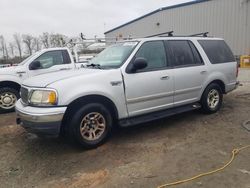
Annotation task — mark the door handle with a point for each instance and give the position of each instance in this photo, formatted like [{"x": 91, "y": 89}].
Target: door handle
[
  {"x": 203, "y": 72},
  {"x": 65, "y": 69},
  {"x": 21, "y": 72},
  {"x": 165, "y": 78}
]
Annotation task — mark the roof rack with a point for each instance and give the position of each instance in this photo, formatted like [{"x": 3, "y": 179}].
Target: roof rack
[
  {"x": 169, "y": 34},
  {"x": 200, "y": 34},
  {"x": 115, "y": 39}
]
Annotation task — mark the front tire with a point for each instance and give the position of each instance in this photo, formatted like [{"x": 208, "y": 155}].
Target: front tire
[
  {"x": 90, "y": 126},
  {"x": 212, "y": 98},
  {"x": 8, "y": 99}
]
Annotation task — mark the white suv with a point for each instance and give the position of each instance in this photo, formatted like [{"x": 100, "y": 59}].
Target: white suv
[{"x": 129, "y": 83}]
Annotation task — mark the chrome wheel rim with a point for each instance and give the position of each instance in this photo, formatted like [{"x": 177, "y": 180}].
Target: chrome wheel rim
[
  {"x": 7, "y": 100},
  {"x": 92, "y": 126},
  {"x": 213, "y": 98}
]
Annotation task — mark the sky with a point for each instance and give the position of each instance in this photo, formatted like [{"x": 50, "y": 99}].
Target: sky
[{"x": 71, "y": 17}]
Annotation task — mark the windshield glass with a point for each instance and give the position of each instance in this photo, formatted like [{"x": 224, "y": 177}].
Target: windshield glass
[
  {"x": 115, "y": 55},
  {"x": 27, "y": 59}
]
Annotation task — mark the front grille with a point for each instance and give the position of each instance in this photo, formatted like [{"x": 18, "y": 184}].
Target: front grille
[{"x": 24, "y": 95}]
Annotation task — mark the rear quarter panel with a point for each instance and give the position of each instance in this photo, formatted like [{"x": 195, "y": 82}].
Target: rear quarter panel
[{"x": 225, "y": 72}]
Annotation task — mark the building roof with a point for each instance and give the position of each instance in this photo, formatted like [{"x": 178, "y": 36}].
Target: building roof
[{"x": 156, "y": 11}]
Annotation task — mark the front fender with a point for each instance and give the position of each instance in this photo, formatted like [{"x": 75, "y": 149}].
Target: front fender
[
  {"x": 102, "y": 84},
  {"x": 10, "y": 78}
]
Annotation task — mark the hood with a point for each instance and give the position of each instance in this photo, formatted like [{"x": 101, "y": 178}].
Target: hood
[
  {"x": 8, "y": 70},
  {"x": 46, "y": 79}
]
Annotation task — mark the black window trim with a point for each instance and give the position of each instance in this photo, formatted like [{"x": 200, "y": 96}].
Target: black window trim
[
  {"x": 167, "y": 63},
  {"x": 66, "y": 58},
  {"x": 183, "y": 66}
]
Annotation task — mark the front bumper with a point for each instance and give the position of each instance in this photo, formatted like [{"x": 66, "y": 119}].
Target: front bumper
[{"x": 45, "y": 121}]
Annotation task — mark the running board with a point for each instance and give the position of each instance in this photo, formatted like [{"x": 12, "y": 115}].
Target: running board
[{"x": 157, "y": 115}]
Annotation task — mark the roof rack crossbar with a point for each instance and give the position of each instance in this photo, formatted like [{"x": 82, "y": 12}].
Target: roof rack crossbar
[
  {"x": 200, "y": 34},
  {"x": 169, "y": 33}
]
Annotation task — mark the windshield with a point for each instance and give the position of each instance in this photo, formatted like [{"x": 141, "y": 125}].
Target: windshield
[
  {"x": 115, "y": 55},
  {"x": 27, "y": 59}
]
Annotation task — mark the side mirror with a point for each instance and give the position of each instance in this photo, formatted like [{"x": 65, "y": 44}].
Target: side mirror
[
  {"x": 139, "y": 63},
  {"x": 35, "y": 65}
]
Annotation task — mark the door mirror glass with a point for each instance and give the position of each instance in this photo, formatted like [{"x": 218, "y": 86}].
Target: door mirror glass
[
  {"x": 35, "y": 65},
  {"x": 139, "y": 63}
]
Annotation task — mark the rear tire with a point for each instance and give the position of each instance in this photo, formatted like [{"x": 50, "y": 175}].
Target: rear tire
[
  {"x": 8, "y": 99},
  {"x": 90, "y": 126},
  {"x": 211, "y": 99}
]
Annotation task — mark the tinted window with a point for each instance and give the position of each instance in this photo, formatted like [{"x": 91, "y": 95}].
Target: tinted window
[
  {"x": 217, "y": 51},
  {"x": 49, "y": 59},
  {"x": 184, "y": 53},
  {"x": 154, "y": 53},
  {"x": 66, "y": 58}
]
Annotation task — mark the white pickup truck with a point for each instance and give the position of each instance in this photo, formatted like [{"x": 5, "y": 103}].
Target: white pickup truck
[{"x": 42, "y": 62}]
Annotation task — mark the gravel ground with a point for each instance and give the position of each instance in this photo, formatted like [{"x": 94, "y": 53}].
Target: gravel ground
[{"x": 143, "y": 156}]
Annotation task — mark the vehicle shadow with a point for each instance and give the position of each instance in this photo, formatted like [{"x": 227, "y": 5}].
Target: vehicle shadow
[{"x": 120, "y": 135}]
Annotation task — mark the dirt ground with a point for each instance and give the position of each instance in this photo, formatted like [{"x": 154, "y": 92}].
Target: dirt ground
[{"x": 143, "y": 156}]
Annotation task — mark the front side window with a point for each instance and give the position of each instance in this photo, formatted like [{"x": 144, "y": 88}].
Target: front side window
[
  {"x": 49, "y": 59},
  {"x": 217, "y": 51},
  {"x": 154, "y": 53},
  {"x": 184, "y": 53}
]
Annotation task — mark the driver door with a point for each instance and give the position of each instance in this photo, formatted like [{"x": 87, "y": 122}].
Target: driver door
[
  {"x": 150, "y": 89},
  {"x": 52, "y": 61}
]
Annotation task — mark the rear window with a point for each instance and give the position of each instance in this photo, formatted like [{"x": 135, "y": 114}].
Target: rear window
[{"x": 217, "y": 51}]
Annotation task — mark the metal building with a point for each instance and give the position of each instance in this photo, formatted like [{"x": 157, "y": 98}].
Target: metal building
[{"x": 228, "y": 19}]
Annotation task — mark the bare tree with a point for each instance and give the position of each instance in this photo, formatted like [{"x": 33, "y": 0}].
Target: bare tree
[
  {"x": 58, "y": 40},
  {"x": 3, "y": 48},
  {"x": 36, "y": 46},
  {"x": 2, "y": 45},
  {"x": 28, "y": 40},
  {"x": 12, "y": 50},
  {"x": 17, "y": 40},
  {"x": 45, "y": 40},
  {"x": 6, "y": 51}
]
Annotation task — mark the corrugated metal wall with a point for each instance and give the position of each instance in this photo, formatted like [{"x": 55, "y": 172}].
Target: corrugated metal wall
[{"x": 228, "y": 19}]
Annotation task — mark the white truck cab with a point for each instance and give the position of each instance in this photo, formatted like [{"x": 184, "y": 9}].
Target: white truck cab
[{"x": 41, "y": 62}]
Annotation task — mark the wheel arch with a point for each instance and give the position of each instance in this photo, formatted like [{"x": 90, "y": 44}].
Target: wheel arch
[
  {"x": 10, "y": 84},
  {"x": 74, "y": 105},
  {"x": 220, "y": 83}
]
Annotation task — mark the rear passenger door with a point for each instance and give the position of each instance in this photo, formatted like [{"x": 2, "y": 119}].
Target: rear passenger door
[{"x": 188, "y": 69}]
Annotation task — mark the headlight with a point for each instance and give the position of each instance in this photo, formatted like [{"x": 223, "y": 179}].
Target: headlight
[{"x": 43, "y": 97}]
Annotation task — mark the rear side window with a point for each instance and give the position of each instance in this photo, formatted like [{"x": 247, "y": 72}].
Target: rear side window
[
  {"x": 184, "y": 53},
  {"x": 217, "y": 51}
]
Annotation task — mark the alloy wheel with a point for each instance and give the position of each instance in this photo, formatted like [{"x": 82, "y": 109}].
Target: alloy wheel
[{"x": 92, "y": 126}]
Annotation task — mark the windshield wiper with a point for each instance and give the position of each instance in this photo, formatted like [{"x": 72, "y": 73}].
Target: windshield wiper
[{"x": 94, "y": 65}]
